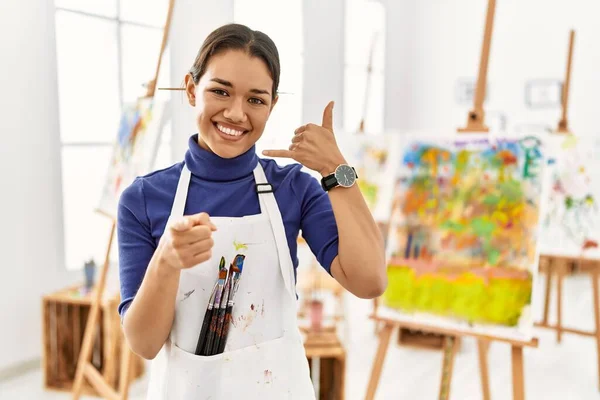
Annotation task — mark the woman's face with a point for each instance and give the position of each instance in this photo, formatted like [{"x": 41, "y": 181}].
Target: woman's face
[{"x": 232, "y": 102}]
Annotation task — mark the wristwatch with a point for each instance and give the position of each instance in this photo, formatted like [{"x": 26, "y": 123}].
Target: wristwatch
[{"x": 344, "y": 176}]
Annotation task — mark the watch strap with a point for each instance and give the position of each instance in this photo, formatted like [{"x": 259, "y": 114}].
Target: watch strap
[{"x": 329, "y": 182}]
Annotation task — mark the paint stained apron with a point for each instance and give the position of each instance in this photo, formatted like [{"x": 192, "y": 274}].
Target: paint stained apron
[{"x": 264, "y": 357}]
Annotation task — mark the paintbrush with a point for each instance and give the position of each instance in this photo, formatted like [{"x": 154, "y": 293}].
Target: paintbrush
[
  {"x": 206, "y": 321},
  {"x": 232, "y": 280},
  {"x": 221, "y": 313},
  {"x": 213, "y": 319},
  {"x": 237, "y": 267},
  {"x": 208, "y": 315}
]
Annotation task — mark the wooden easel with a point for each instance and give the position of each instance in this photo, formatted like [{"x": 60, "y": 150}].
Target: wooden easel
[
  {"x": 561, "y": 266},
  {"x": 85, "y": 369},
  {"x": 475, "y": 124},
  {"x": 450, "y": 348},
  {"x": 476, "y": 119},
  {"x": 563, "y": 126}
]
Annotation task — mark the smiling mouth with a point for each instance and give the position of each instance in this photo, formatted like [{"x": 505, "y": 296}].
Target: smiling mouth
[{"x": 233, "y": 133}]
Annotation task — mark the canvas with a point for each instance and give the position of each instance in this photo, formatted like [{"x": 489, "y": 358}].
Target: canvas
[
  {"x": 462, "y": 247},
  {"x": 372, "y": 156},
  {"x": 571, "y": 223},
  {"x": 134, "y": 150}
]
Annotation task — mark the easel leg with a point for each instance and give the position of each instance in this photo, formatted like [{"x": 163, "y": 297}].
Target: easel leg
[
  {"x": 384, "y": 341},
  {"x": 483, "y": 348},
  {"x": 517, "y": 373},
  {"x": 561, "y": 274},
  {"x": 86, "y": 349},
  {"x": 375, "y": 308},
  {"x": 125, "y": 378},
  {"x": 90, "y": 327},
  {"x": 548, "y": 291},
  {"x": 596, "y": 315},
  {"x": 450, "y": 347}
]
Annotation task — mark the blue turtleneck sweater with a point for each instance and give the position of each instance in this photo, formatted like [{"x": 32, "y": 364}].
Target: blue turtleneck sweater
[{"x": 221, "y": 188}]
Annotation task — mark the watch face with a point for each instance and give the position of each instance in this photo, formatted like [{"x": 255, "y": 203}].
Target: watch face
[{"x": 345, "y": 175}]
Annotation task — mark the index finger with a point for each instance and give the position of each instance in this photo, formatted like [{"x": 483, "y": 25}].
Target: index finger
[{"x": 278, "y": 153}]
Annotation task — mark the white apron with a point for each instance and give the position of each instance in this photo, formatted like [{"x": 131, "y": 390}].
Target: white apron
[{"x": 264, "y": 357}]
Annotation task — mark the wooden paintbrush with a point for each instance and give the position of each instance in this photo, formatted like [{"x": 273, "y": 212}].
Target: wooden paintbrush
[
  {"x": 221, "y": 313},
  {"x": 209, "y": 312},
  {"x": 237, "y": 267},
  {"x": 210, "y": 337}
]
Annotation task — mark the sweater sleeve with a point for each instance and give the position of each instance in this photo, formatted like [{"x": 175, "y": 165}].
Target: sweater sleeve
[
  {"x": 135, "y": 242},
  {"x": 318, "y": 225}
]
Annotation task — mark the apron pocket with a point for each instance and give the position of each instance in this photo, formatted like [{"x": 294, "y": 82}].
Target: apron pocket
[{"x": 265, "y": 371}]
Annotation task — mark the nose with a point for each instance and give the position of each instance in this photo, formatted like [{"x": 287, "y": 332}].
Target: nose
[{"x": 235, "y": 111}]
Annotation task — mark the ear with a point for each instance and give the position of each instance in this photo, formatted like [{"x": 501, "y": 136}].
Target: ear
[
  {"x": 274, "y": 102},
  {"x": 190, "y": 89}
]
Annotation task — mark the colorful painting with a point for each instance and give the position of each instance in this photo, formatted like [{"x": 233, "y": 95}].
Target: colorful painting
[
  {"x": 462, "y": 247},
  {"x": 571, "y": 223},
  {"x": 372, "y": 156},
  {"x": 134, "y": 151}
]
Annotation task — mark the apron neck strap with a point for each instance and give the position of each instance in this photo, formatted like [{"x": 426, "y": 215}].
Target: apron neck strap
[
  {"x": 269, "y": 205},
  {"x": 181, "y": 193},
  {"x": 263, "y": 187}
]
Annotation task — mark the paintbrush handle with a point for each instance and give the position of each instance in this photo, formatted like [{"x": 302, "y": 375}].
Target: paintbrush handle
[
  {"x": 225, "y": 332},
  {"x": 206, "y": 320},
  {"x": 204, "y": 330},
  {"x": 211, "y": 335},
  {"x": 228, "y": 315},
  {"x": 212, "y": 330},
  {"x": 220, "y": 321},
  {"x": 221, "y": 317}
]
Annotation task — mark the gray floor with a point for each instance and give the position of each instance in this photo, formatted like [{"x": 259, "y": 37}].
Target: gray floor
[{"x": 552, "y": 371}]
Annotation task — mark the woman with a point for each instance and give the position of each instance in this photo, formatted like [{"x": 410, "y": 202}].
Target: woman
[{"x": 175, "y": 226}]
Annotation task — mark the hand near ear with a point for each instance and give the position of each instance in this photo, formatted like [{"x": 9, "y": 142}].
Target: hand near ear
[{"x": 314, "y": 146}]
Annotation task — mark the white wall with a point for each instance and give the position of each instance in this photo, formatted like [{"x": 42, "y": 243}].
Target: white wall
[
  {"x": 323, "y": 59},
  {"x": 192, "y": 21},
  {"x": 400, "y": 71},
  {"x": 31, "y": 243},
  {"x": 432, "y": 44}
]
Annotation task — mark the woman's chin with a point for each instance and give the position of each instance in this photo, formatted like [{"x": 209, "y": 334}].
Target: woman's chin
[{"x": 227, "y": 150}]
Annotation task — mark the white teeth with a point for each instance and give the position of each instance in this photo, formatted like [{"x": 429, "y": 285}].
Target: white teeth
[{"x": 228, "y": 131}]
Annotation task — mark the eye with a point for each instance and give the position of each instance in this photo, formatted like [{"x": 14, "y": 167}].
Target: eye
[
  {"x": 256, "y": 100},
  {"x": 220, "y": 92}
]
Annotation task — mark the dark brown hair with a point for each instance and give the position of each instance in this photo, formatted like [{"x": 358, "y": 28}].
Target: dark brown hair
[{"x": 238, "y": 37}]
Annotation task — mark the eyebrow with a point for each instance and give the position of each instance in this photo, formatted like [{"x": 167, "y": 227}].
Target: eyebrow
[{"x": 229, "y": 84}]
